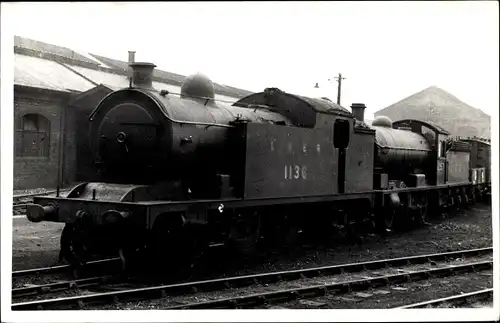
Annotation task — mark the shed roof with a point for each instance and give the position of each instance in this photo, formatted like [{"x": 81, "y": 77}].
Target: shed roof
[
  {"x": 173, "y": 78},
  {"x": 117, "y": 81},
  {"x": 99, "y": 69},
  {"x": 39, "y": 46},
  {"x": 42, "y": 73}
]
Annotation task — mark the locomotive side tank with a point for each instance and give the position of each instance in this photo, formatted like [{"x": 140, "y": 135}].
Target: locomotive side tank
[
  {"x": 153, "y": 135},
  {"x": 400, "y": 152}
]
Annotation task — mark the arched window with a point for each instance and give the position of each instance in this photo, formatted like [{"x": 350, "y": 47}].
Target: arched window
[{"x": 33, "y": 136}]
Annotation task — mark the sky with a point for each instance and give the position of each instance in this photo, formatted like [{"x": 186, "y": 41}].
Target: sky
[{"x": 385, "y": 50}]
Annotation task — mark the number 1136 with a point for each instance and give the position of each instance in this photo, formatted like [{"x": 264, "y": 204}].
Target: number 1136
[{"x": 295, "y": 172}]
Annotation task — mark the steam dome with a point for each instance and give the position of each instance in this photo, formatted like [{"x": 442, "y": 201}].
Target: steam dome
[
  {"x": 197, "y": 85},
  {"x": 382, "y": 121}
]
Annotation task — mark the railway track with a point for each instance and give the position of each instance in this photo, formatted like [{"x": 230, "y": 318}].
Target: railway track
[
  {"x": 96, "y": 265},
  {"x": 460, "y": 300},
  {"x": 332, "y": 276},
  {"x": 46, "y": 280}
]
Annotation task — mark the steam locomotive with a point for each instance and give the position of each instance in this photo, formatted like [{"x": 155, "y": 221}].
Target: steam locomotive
[{"x": 177, "y": 173}]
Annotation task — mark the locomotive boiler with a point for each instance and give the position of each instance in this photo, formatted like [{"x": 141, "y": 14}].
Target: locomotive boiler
[
  {"x": 142, "y": 136},
  {"x": 400, "y": 152}
]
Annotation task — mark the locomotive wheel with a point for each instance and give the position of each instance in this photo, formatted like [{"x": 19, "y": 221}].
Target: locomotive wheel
[
  {"x": 132, "y": 259},
  {"x": 460, "y": 202},
  {"x": 125, "y": 259},
  {"x": 73, "y": 246},
  {"x": 444, "y": 211},
  {"x": 177, "y": 248},
  {"x": 452, "y": 206},
  {"x": 473, "y": 197},
  {"x": 345, "y": 225},
  {"x": 486, "y": 197},
  {"x": 477, "y": 196},
  {"x": 422, "y": 215},
  {"x": 244, "y": 234},
  {"x": 387, "y": 219},
  {"x": 289, "y": 233}
]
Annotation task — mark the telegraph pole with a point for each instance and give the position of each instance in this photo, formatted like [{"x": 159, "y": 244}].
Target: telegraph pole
[{"x": 339, "y": 89}]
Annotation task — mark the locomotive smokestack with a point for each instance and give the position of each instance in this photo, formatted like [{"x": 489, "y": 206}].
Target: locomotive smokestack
[
  {"x": 131, "y": 57},
  {"x": 358, "y": 110},
  {"x": 142, "y": 75}
]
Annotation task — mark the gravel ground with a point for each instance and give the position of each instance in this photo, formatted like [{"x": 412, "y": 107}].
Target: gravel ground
[
  {"x": 469, "y": 230},
  {"x": 253, "y": 289},
  {"x": 395, "y": 296},
  {"x": 299, "y": 283},
  {"x": 37, "y": 245}
]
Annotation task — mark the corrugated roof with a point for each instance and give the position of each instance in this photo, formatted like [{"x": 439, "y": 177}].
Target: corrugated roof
[
  {"x": 101, "y": 77},
  {"x": 94, "y": 67},
  {"x": 173, "y": 77},
  {"x": 122, "y": 65},
  {"x": 87, "y": 55},
  {"x": 49, "y": 48},
  {"x": 117, "y": 81},
  {"x": 42, "y": 73}
]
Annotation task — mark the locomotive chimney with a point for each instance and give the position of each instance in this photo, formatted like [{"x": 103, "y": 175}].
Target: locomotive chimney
[
  {"x": 358, "y": 110},
  {"x": 142, "y": 75},
  {"x": 131, "y": 57}
]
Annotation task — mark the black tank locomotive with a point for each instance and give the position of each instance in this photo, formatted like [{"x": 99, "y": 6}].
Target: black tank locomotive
[{"x": 175, "y": 173}]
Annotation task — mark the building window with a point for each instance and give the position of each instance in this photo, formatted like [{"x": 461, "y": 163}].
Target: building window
[{"x": 32, "y": 136}]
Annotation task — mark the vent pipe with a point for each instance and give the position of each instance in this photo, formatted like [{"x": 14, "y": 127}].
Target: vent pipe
[
  {"x": 142, "y": 75},
  {"x": 358, "y": 110}
]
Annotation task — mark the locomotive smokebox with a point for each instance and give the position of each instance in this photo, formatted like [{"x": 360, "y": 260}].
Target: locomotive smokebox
[
  {"x": 358, "y": 110},
  {"x": 142, "y": 75}
]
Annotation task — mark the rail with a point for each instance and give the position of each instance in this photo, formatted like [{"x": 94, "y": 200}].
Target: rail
[
  {"x": 239, "y": 281},
  {"x": 455, "y": 300},
  {"x": 96, "y": 265},
  {"x": 251, "y": 301}
]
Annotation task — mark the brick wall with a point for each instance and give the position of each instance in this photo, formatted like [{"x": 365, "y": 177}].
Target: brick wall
[
  {"x": 32, "y": 172},
  {"x": 74, "y": 161}
]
